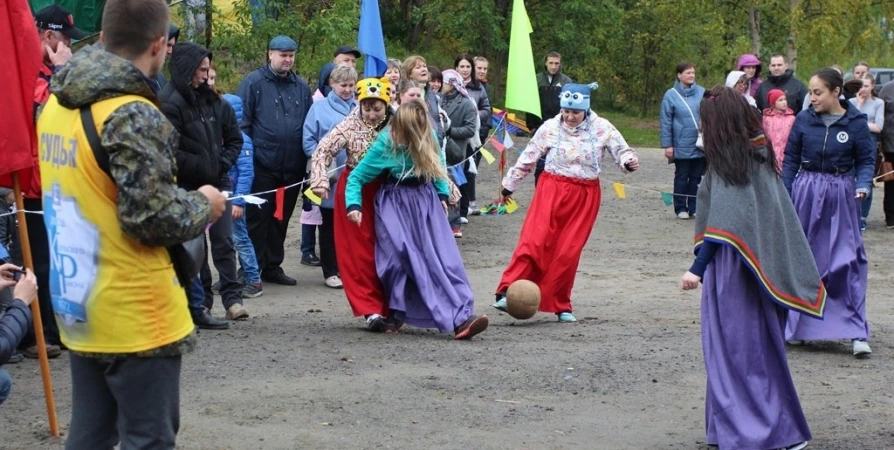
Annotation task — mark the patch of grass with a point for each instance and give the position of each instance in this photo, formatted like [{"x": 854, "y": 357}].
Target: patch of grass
[{"x": 639, "y": 132}]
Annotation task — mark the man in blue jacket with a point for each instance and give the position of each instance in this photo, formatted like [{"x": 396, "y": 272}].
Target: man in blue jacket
[{"x": 276, "y": 102}]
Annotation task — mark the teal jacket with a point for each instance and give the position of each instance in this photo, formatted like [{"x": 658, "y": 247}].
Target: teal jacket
[{"x": 379, "y": 159}]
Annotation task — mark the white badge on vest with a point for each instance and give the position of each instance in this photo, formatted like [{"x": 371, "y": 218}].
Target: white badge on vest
[{"x": 842, "y": 137}]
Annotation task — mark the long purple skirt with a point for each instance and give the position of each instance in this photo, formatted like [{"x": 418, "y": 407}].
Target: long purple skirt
[
  {"x": 418, "y": 261},
  {"x": 830, "y": 215},
  {"x": 751, "y": 402}
]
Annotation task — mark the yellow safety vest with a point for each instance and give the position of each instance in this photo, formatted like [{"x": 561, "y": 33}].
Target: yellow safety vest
[{"x": 110, "y": 293}]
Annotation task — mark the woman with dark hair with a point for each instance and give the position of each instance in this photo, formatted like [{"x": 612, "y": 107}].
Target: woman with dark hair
[
  {"x": 828, "y": 145},
  {"x": 436, "y": 80},
  {"x": 464, "y": 65},
  {"x": 755, "y": 263},
  {"x": 680, "y": 138}
]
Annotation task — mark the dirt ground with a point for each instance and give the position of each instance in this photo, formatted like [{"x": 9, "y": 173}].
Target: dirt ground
[{"x": 302, "y": 372}]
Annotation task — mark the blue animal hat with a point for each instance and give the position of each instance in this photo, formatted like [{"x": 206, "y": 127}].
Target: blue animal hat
[{"x": 576, "y": 96}]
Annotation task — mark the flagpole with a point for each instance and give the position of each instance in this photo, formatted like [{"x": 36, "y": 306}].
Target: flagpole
[{"x": 35, "y": 311}]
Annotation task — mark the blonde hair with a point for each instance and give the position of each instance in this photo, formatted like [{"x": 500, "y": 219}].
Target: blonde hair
[
  {"x": 411, "y": 128},
  {"x": 409, "y": 64},
  {"x": 405, "y": 85},
  {"x": 343, "y": 74}
]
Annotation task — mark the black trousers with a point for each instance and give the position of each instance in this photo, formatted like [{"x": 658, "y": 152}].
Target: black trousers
[
  {"x": 468, "y": 190},
  {"x": 328, "y": 260},
  {"x": 134, "y": 401},
  {"x": 223, "y": 253},
  {"x": 687, "y": 176},
  {"x": 40, "y": 254},
  {"x": 268, "y": 235}
]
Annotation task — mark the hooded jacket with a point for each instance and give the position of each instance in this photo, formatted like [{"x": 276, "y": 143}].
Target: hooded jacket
[
  {"x": 777, "y": 126},
  {"x": 141, "y": 145},
  {"x": 323, "y": 87},
  {"x": 324, "y": 116},
  {"x": 755, "y": 82},
  {"x": 191, "y": 111},
  {"x": 840, "y": 148},
  {"x": 275, "y": 108},
  {"x": 678, "y": 129},
  {"x": 732, "y": 79},
  {"x": 243, "y": 171},
  {"x": 794, "y": 89}
]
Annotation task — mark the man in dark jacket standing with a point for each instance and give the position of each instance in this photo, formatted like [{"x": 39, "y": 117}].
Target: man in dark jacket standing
[
  {"x": 782, "y": 78},
  {"x": 204, "y": 156},
  {"x": 549, "y": 85},
  {"x": 276, "y": 102}
]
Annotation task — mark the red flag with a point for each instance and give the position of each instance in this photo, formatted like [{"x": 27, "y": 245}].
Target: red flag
[
  {"x": 498, "y": 146},
  {"x": 19, "y": 65},
  {"x": 280, "y": 198}
]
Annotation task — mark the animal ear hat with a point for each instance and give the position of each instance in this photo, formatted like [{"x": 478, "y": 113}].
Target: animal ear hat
[{"x": 376, "y": 88}]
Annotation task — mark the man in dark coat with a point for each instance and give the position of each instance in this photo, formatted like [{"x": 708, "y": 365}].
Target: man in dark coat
[{"x": 276, "y": 102}]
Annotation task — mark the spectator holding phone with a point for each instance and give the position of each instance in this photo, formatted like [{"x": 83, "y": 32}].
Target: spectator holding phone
[{"x": 15, "y": 321}]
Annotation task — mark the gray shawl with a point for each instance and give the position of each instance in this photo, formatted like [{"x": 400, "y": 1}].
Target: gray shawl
[{"x": 760, "y": 223}]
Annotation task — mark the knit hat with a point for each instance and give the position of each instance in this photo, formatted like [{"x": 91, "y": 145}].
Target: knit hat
[
  {"x": 575, "y": 97},
  {"x": 773, "y": 96},
  {"x": 377, "y": 88},
  {"x": 283, "y": 44}
]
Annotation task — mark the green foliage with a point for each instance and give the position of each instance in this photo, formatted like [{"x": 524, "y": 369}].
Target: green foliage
[{"x": 629, "y": 46}]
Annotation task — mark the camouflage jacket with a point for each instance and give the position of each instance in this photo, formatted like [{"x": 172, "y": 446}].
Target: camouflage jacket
[{"x": 140, "y": 142}]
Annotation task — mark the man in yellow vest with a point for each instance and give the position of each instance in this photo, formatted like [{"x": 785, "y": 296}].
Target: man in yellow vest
[{"x": 118, "y": 303}]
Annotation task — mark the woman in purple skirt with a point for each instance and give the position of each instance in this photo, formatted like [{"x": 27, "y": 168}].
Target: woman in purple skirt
[
  {"x": 829, "y": 146},
  {"x": 417, "y": 258},
  {"x": 755, "y": 263}
]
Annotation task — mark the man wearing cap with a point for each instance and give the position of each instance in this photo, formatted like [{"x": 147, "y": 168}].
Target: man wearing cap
[
  {"x": 276, "y": 102},
  {"x": 55, "y": 26},
  {"x": 346, "y": 55}
]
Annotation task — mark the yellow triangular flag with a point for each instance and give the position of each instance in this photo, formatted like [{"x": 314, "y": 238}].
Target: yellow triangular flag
[
  {"x": 511, "y": 206},
  {"x": 619, "y": 190},
  {"x": 487, "y": 156},
  {"x": 309, "y": 193}
]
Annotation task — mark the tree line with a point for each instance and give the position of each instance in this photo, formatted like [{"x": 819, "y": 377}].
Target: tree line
[{"x": 629, "y": 46}]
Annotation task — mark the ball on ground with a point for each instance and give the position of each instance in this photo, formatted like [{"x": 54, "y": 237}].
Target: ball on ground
[{"x": 522, "y": 299}]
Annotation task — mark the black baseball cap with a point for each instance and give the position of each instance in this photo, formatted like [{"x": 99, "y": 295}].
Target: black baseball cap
[
  {"x": 57, "y": 18},
  {"x": 346, "y": 49}
]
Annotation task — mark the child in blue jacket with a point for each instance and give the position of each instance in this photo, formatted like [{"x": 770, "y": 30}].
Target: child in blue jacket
[{"x": 241, "y": 177}]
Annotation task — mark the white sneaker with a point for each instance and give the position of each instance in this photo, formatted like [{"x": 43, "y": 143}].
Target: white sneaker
[
  {"x": 463, "y": 220},
  {"x": 334, "y": 282},
  {"x": 793, "y": 342},
  {"x": 861, "y": 348},
  {"x": 800, "y": 446},
  {"x": 683, "y": 215}
]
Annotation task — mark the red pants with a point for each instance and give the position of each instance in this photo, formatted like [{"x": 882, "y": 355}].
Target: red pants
[
  {"x": 355, "y": 250},
  {"x": 558, "y": 225}
]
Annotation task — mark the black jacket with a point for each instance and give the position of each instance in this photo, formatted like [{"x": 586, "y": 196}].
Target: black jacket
[
  {"x": 9, "y": 232},
  {"x": 205, "y": 154},
  {"x": 549, "y": 98},
  {"x": 273, "y": 117},
  {"x": 794, "y": 89}
]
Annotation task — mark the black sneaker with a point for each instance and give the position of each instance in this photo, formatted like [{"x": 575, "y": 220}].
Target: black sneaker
[
  {"x": 252, "y": 290},
  {"x": 15, "y": 358},
  {"x": 310, "y": 260},
  {"x": 278, "y": 277},
  {"x": 375, "y": 323},
  {"x": 215, "y": 288},
  {"x": 206, "y": 322}
]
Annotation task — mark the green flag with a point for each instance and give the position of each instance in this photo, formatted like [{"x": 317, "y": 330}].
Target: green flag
[{"x": 521, "y": 78}]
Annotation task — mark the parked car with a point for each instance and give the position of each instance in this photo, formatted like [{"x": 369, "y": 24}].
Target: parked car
[{"x": 882, "y": 76}]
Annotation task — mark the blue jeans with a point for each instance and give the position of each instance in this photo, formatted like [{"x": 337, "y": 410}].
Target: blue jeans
[
  {"x": 195, "y": 295},
  {"x": 866, "y": 203},
  {"x": 5, "y": 385},
  {"x": 247, "y": 259},
  {"x": 687, "y": 176},
  {"x": 308, "y": 240}
]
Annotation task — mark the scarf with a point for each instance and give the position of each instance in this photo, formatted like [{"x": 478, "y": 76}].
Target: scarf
[
  {"x": 454, "y": 79},
  {"x": 759, "y": 222}
]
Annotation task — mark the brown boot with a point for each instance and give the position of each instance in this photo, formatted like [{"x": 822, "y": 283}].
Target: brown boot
[
  {"x": 237, "y": 312},
  {"x": 53, "y": 351}
]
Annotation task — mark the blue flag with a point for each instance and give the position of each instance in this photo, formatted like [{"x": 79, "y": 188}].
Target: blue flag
[{"x": 370, "y": 40}]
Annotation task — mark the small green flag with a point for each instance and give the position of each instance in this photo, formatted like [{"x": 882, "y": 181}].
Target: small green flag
[
  {"x": 668, "y": 198},
  {"x": 521, "y": 77}
]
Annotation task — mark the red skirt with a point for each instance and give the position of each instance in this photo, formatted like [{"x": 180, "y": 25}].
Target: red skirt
[
  {"x": 557, "y": 226},
  {"x": 355, "y": 249}
]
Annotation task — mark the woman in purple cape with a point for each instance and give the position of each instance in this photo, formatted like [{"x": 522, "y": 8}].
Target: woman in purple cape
[{"x": 755, "y": 263}]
